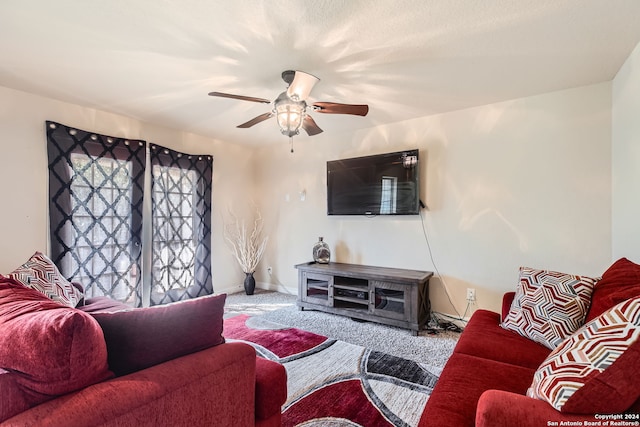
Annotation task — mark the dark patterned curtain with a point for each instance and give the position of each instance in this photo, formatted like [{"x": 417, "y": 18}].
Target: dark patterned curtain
[
  {"x": 181, "y": 236},
  {"x": 96, "y": 186}
]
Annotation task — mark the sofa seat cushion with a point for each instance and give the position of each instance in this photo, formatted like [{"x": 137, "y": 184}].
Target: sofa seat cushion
[
  {"x": 497, "y": 408},
  {"x": 549, "y": 305},
  {"x": 271, "y": 388},
  {"x": 595, "y": 370},
  {"x": 46, "y": 349},
  {"x": 138, "y": 338},
  {"x": 484, "y": 337},
  {"x": 462, "y": 382},
  {"x": 620, "y": 282}
]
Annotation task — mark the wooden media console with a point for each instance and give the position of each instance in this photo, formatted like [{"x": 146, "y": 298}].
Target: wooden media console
[{"x": 391, "y": 296}]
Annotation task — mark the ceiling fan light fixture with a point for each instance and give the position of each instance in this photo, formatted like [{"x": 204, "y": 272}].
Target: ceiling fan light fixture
[
  {"x": 290, "y": 107},
  {"x": 290, "y": 114}
]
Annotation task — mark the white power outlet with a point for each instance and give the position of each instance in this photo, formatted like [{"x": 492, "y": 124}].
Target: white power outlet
[{"x": 471, "y": 294}]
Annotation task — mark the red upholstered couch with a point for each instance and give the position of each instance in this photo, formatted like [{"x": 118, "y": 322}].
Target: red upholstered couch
[
  {"x": 221, "y": 385},
  {"x": 485, "y": 381}
]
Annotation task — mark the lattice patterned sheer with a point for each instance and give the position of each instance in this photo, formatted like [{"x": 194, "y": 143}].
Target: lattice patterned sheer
[
  {"x": 181, "y": 236},
  {"x": 96, "y": 186}
]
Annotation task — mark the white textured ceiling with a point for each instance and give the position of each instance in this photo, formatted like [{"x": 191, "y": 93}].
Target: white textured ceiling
[{"x": 156, "y": 60}]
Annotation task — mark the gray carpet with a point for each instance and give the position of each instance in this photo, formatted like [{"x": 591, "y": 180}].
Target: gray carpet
[{"x": 432, "y": 351}]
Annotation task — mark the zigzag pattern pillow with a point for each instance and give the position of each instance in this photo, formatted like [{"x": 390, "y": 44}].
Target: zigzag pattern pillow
[
  {"x": 41, "y": 274},
  {"x": 595, "y": 370},
  {"x": 549, "y": 306}
]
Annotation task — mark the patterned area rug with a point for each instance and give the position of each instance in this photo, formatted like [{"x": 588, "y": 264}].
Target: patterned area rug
[{"x": 333, "y": 383}]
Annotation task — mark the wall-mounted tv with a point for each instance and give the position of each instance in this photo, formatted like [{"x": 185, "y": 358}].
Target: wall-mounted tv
[{"x": 383, "y": 184}]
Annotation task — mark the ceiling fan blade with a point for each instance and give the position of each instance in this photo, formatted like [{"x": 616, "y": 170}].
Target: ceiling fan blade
[
  {"x": 335, "y": 108},
  {"x": 255, "y": 120},
  {"x": 240, "y": 97},
  {"x": 310, "y": 126},
  {"x": 301, "y": 86}
]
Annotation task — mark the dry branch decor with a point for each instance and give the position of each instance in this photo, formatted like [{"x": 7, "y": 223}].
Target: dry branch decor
[{"x": 247, "y": 246}]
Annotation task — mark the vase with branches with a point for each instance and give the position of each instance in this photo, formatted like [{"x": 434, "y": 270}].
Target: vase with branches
[{"x": 246, "y": 245}]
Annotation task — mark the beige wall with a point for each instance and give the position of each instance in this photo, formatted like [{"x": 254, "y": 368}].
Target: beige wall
[
  {"x": 24, "y": 176},
  {"x": 626, "y": 160},
  {"x": 524, "y": 182}
]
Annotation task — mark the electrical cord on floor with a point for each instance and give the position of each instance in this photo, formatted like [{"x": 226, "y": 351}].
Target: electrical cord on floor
[
  {"x": 447, "y": 321},
  {"x": 435, "y": 267},
  {"x": 440, "y": 322}
]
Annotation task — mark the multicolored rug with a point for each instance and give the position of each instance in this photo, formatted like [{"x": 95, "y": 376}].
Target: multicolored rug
[{"x": 334, "y": 383}]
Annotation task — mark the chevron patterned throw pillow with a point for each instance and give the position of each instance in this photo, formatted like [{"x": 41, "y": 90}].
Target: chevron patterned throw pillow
[
  {"x": 41, "y": 274},
  {"x": 595, "y": 370},
  {"x": 549, "y": 306}
]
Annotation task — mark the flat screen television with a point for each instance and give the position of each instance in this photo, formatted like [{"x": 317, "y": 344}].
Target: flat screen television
[{"x": 383, "y": 184}]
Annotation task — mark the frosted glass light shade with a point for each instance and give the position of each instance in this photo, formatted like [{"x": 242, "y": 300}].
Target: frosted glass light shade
[{"x": 290, "y": 117}]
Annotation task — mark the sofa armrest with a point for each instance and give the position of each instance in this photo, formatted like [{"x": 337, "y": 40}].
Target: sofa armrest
[
  {"x": 507, "y": 299},
  {"x": 217, "y": 383},
  {"x": 497, "y": 408},
  {"x": 271, "y": 388}
]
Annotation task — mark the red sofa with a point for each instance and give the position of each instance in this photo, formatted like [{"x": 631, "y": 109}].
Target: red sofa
[
  {"x": 224, "y": 384},
  {"x": 485, "y": 381},
  {"x": 219, "y": 386}
]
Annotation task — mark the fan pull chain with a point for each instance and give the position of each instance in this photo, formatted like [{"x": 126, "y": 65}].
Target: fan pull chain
[{"x": 291, "y": 143}]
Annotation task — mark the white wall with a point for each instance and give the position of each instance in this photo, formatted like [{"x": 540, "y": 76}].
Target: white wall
[
  {"x": 626, "y": 160},
  {"x": 24, "y": 174},
  {"x": 524, "y": 182}
]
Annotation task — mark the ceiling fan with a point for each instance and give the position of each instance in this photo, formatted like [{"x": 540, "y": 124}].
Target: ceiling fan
[{"x": 291, "y": 108}]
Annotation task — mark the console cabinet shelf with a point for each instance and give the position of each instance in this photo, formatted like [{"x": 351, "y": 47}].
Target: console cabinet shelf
[{"x": 392, "y": 296}]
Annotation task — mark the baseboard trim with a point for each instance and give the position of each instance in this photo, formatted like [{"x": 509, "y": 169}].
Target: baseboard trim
[
  {"x": 276, "y": 287},
  {"x": 229, "y": 289},
  {"x": 259, "y": 285}
]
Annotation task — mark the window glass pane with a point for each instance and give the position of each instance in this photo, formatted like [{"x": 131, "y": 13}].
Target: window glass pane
[
  {"x": 101, "y": 215},
  {"x": 173, "y": 247}
]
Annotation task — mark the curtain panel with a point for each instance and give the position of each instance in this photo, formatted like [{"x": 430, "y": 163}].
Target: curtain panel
[
  {"x": 96, "y": 188},
  {"x": 181, "y": 186}
]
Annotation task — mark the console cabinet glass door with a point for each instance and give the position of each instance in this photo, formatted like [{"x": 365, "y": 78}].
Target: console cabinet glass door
[
  {"x": 390, "y": 300},
  {"x": 317, "y": 288}
]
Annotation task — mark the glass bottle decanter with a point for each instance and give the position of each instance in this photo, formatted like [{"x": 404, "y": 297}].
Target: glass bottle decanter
[{"x": 321, "y": 252}]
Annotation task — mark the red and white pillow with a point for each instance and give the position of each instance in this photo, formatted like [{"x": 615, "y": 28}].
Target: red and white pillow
[
  {"x": 41, "y": 274},
  {"x": 549, "y": 306},
  {"x": 595, "y": 370}
]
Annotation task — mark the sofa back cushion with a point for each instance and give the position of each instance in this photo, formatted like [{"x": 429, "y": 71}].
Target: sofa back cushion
[
  {"x": 549, "y": 305},
  {"x": 595, "y": 370},
  {"x": 620, "y": 282},
  {"x": 138, "y": 338},
  {"x": 46, "y": 349}
]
